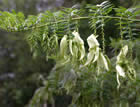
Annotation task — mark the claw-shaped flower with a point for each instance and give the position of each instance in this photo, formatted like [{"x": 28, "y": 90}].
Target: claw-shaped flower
[
  {"x": 79, "y": 43},
  {"x": 120, "y": 58},
  {"x": 93, "y": 49},
  {"x": 92, "y": 41}
]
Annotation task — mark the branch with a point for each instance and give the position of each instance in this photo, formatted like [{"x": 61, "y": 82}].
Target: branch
[{"x": 80, "y": 18}]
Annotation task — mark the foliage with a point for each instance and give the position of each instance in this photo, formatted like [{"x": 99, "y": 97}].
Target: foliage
[
  {"x": 18, "y": 70},
  {"x": 90, "y": 77}
]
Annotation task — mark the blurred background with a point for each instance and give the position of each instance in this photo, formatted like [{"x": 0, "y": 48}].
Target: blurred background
[{"x": 20, "y": 73}]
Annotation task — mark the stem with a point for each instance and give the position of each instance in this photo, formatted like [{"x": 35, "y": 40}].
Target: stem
[
  {"x": 121, "y": 32},
  {"x": 103, "y": 35},
  {"x": 130, "y": 37}
]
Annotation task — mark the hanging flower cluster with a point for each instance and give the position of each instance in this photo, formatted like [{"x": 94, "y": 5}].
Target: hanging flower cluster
[
  {"x": 95, "y": 54},
  {"x": 122, "y": 65},
  {"x": 75, "y": 48}
]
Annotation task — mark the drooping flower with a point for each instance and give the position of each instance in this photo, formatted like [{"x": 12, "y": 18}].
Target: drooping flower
[
  {"x": 93, "y": 49},
  {"x": 92, "y": 41},
  {"x": 120, "y": 59},
  {"x": 79, "y": 44}
]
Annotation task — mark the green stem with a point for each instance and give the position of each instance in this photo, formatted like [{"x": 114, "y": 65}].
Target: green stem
[
  {"x": 103, "y": 36},
  {"x": 121, "y": 32}
]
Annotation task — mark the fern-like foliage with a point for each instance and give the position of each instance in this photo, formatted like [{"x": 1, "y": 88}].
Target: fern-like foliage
[{"x": 87, "y": 74}]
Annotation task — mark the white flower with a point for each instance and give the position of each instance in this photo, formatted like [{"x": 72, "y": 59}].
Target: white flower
[
  {"x": 77, "y": 38},
  {"x": 94, "y": 49},
  {"x": 122, "y": 53},
  {"x": 79, "y": 44},
  {"x": 92, "y": 41}
]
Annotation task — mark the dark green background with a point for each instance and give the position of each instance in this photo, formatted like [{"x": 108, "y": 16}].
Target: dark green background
[{"x": 20, "y": 73}]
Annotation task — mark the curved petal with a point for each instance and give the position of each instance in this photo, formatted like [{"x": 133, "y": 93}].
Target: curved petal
[
  {"x": 82, "y": 51},
  {"x": 80, "y": 44},
  {"x": 96, "y": 54},
  {"x": 122, "y": 53},
  {"x": 120, "y": 70},
  {"x": 63, "y": 45},
  {"x": 75, "y": 51},
  {"x": 89, "y": 57},
  {"x": 92, "y": 41},
  {"x": 77, "y": 37},
  {"x": 125, "y": 50},
  {"x": 70, "y": 47},
  {"x": 104, "y": 61}
]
